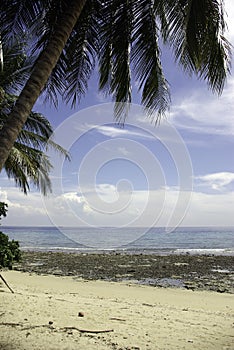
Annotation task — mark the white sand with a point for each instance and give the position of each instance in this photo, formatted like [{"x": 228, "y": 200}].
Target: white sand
[{"x": 141, "y": 317}]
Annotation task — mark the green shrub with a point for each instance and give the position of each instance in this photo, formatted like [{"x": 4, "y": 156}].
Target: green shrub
[{"x": 9, "y": 250}]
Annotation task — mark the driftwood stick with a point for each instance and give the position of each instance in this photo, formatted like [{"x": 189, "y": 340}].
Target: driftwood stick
[
  {"x": 38, "y": 326},
  {"x": 117, "y": 319},
  {"x": 96, "y": 332},
  {"x": 12, "y": 324},
  {"x": 87, "y": 330},
  {"x": 6, "y": 283}
]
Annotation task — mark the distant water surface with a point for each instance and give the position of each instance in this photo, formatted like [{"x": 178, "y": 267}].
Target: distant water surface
[{"x": 193, "y": 240}]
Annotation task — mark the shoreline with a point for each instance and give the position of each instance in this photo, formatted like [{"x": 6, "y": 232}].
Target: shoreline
[
  {"x": 195, "y": 272},
  {"x": 144, "y": 251}
]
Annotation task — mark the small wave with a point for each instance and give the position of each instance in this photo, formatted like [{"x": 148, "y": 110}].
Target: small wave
[
  {"x": 158, "y": 251},
  {"x": 65, "y": 249},
  {"x": 206, "y": 251},
  {"x": 48, "y": 248}
]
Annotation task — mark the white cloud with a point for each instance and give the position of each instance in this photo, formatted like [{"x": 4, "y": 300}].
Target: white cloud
[
  {"x": 23, "y": 210},
  {"x": 137, "y": 208},
  {"x": 216, "y": 181},
  {"x": 210, "y": 209},
  {"x": 203, "y": 112},
  {"x": 117, "y": 131}
]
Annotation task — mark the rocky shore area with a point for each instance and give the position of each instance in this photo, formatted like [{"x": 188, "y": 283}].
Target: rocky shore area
[{"x": 195, "y": 272}]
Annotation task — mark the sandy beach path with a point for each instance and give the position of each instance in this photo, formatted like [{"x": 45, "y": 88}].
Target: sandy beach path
[{"x": 43, "y": 314}]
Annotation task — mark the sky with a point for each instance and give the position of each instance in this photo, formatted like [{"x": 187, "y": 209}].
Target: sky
[{"x": 180, "y": 172}]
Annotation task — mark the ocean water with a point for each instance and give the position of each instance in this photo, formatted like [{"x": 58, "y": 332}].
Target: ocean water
[{"x": 193, "y": 240}]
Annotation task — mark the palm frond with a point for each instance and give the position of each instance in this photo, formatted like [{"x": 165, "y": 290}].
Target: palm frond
[
  {"x": 28, "y": 165},
  {"x": 105, "y": 50},
  {"x": 80, "y": 53},
  {"x": 6, "y": 103},
  {"x": 37, "y": 132},
  {"x": 17, "y": 64},
  {"x": 161, "y": 18},
  {"x": 14, "y": 170},
  {"x": 196, "y": 34},
  {"x": 70, "y": 76},
  {"x": 55, "y": 85},
  {"x": 115, "y": 51},
  {"x": 31, "y": 139},
  {"x": 146, "y": 60},
  {"x": 18, "y": 17},
  {"x": 38, "y": 124},
  {"x": 57, "y": 148},
  {"x": 125, "y": 35},
  {"x": 27, "y": 162}
]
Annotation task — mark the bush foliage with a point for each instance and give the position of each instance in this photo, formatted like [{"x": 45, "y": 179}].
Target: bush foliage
[{"x": 9, "y": 250}]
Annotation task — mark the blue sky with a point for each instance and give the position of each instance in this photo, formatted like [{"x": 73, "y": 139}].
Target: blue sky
[{"x": 178, "y": 173}]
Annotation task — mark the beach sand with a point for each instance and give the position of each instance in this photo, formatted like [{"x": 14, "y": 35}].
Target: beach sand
[{"x": 43, "y": 313}]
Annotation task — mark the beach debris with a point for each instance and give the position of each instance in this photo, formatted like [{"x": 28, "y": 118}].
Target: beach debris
[
  {"x": 10, "y": 324},
  {"x": 87, "y": 330},
  {"x": 6, "y": 283},
  {"x": 50, "y": 322},
  {"x": 80, "y": 314},
  {"x": 146, "y": 304},
  {"x": 19, "y": 324},
  {"x": 117, "y": 319}
]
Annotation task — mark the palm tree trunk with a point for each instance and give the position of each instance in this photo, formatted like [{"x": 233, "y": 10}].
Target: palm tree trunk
[{"x": 40, "y": 74}]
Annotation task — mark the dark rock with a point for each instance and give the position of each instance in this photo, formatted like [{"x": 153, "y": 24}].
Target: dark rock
[
  {"x": 194, "y": 272},
  {"x": 221, "y": 290}
]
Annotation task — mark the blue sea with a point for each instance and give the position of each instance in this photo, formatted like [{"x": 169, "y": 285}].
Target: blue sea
[{"x": 183, "y": 240}]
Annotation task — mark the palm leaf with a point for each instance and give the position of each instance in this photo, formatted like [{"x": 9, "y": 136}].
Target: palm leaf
[
  {"x": 77, "y": 61},
  {"x": 18, "y": 17},
  {"x": 17, "y": 65},
  {"x": 124, "y": 35},
  {"x": 39, "y": 124},
  {"x": 27, "y": 162},
  {"x": 196, "y": 34},
  {"x": 28, "y": 165},
  {"x": 146, "y": 59},
  {"x": 115, "y": 50},
  {"x": 80, "y": 53}
]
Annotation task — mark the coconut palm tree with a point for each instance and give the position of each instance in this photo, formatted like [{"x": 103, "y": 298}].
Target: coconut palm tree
[
  {"x": 124, "y": 37},
  {"x": 27, "y": 162}
]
